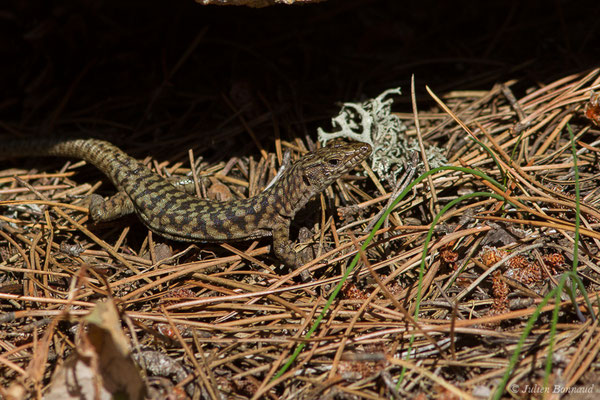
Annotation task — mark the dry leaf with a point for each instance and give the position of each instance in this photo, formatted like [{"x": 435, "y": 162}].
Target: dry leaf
[{"x": 102, "y": 367}]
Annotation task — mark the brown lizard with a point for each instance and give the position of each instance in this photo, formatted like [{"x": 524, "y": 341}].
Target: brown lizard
[{"x": 175, "y": 214}]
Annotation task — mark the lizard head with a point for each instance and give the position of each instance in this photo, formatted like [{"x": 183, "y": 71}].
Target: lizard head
[{"x": 322, "y": 167}]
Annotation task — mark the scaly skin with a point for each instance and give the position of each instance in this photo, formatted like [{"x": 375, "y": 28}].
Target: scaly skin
[{"x": 174, "y": 214}]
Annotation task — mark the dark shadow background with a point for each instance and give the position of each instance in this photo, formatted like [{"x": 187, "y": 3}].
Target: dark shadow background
[{"x": 114, "y": 66}]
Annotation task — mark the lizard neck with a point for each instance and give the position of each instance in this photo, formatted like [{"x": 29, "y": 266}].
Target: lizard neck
[{"x": 289, "y": 194}]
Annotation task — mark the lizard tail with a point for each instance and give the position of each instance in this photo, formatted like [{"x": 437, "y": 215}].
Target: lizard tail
[{"x": 109, "y": 159}]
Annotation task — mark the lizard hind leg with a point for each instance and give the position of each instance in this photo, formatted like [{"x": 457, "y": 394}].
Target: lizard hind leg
[
  {"x": 120, "y": 205},
  {"x": 112, "y": 208}
]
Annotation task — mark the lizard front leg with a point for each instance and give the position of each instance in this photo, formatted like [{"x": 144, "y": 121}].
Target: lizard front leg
[{"x": 283, "y": 247}]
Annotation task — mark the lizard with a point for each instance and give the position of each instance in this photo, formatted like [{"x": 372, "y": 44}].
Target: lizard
[{"x": 174, "y": 214}]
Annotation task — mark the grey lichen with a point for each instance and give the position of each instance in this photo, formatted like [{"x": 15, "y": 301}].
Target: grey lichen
[{"x": 373, "y": 122}]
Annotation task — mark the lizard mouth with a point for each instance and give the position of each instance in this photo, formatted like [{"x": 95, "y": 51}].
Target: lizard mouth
[{"x": 361, "y": 153}]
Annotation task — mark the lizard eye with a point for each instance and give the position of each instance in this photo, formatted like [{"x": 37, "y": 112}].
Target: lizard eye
[{"x": 334, "y": 162}]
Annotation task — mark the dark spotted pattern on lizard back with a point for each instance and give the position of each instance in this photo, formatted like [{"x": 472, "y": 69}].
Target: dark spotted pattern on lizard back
[{"x": 174, "y": 214}]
